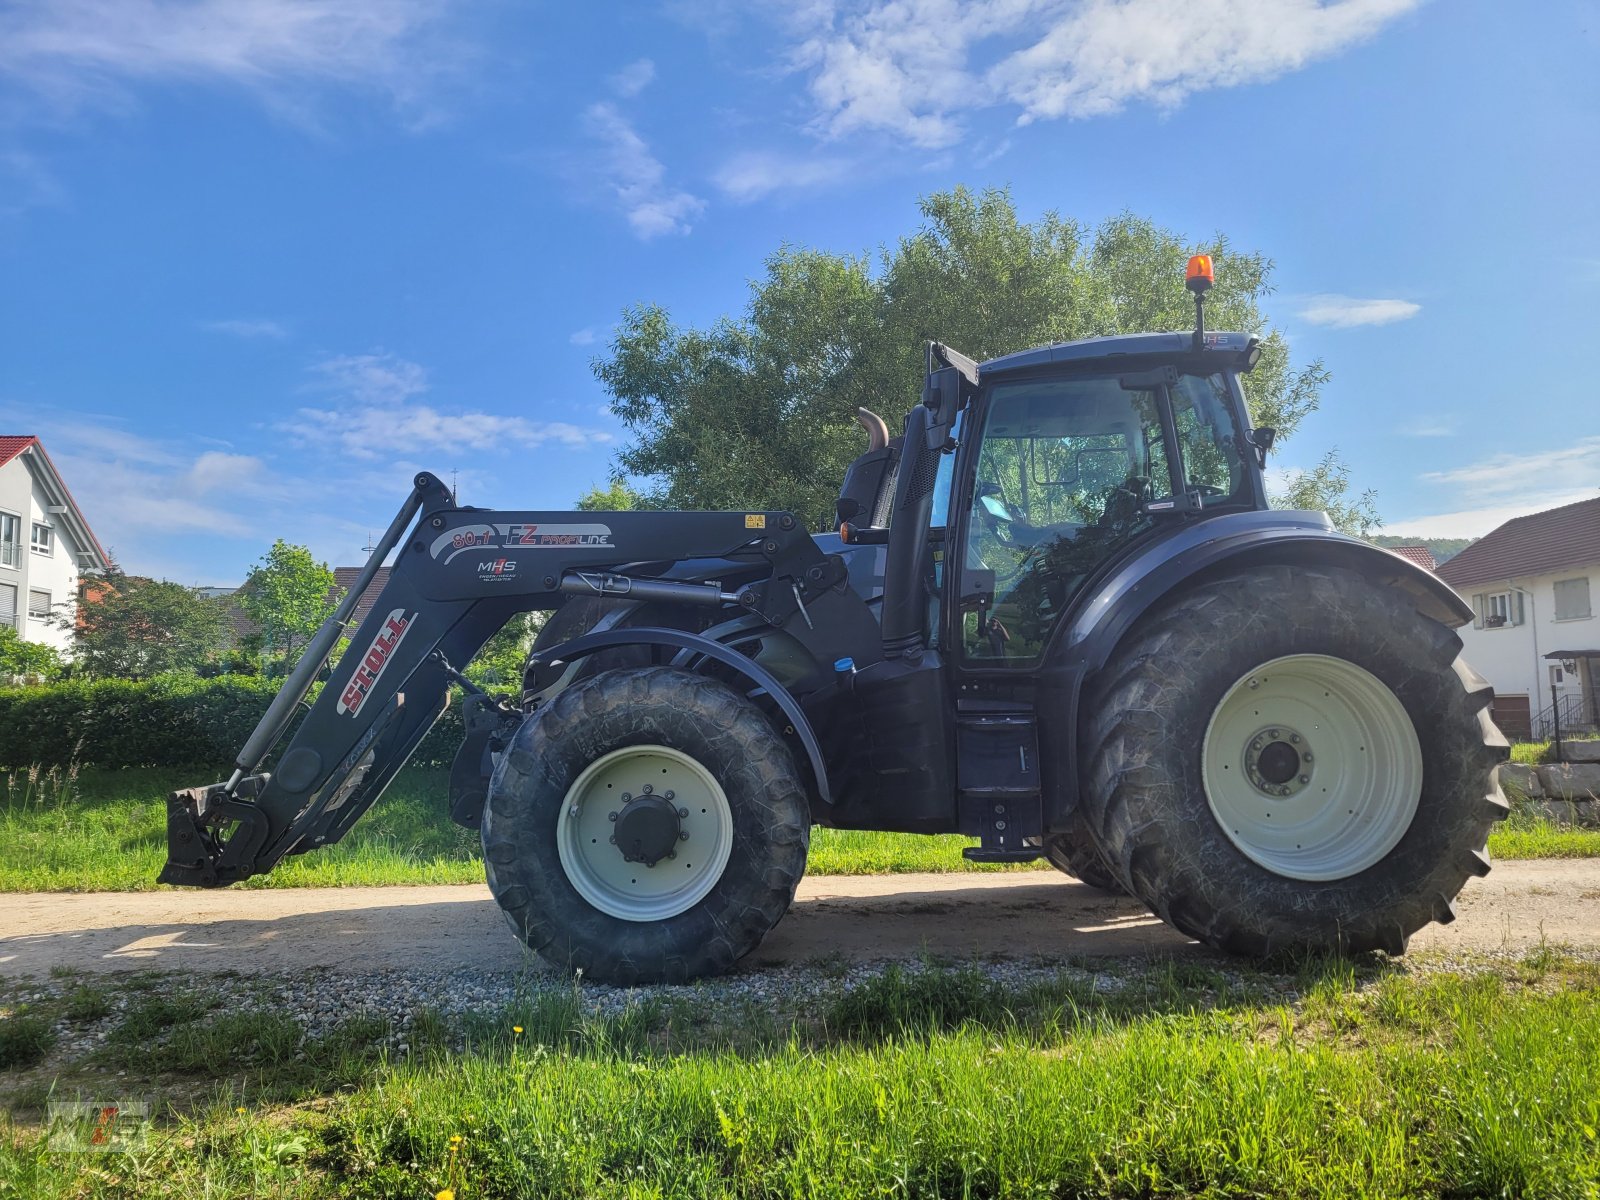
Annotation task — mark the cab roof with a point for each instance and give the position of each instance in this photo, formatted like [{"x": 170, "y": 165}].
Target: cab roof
[{"x": 1122, "y": 345}]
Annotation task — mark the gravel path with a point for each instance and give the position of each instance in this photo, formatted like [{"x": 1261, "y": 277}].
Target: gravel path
[{"x": 447, "y": 931}]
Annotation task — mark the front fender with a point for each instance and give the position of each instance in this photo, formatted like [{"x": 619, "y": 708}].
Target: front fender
[
  {"x": 688, "y": 645},
  {"x": 1085, "y": 642}
]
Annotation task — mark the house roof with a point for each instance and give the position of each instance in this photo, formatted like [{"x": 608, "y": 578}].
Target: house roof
[
  {"x": 38, "y": 458},
  {"x": 1420, "y": 555},
  {"x": 1557, "y": 539},
  {"x": 344, "y": 579}
]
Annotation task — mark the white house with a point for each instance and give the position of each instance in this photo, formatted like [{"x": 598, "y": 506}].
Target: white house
[
  {"x": 45, "y": 544},
  {"x": 1534, "y": 587}
]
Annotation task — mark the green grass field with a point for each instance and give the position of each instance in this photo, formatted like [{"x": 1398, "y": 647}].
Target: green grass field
[
  {"x": 1333, "y": 1081},
  {"x": 104, "y": 831}
]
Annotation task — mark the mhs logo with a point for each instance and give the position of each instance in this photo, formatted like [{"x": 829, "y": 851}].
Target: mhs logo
[{"x": 500, "y": 566}]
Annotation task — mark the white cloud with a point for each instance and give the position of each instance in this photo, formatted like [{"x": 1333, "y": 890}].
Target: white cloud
[
  {"x": 76, "y": 53},
  {"x": 1475, "y": 522},
  {"x": 1347, "y": 312},
  {"x": 1571, "y": 467},
  {"x": 637, "y": 178},
  {"x": 373, "y": 378},
  {"x": 248, "y": 328},
  {"x": 1429, "y": 427},
  {"x": 752, "y": 176},
  {"x": 633, "y": 78},
  {"x": 909, "y": 67},
  {"x": 1491, "y": 491},
  {"x": 378, "y": 420},
  {"x": 581, "y": 337}
]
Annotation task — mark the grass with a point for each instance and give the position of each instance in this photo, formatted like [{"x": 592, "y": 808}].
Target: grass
[
  {"x": 1327, "y": 1078},
  {"x": 93, "y": 830}
]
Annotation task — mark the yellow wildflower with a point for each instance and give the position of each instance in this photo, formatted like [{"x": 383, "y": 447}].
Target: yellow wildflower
[
  {"x": 455, "y": 1138},
  {"x": 447, "y": 1194},
  {"x": 517, "y": 1029}
]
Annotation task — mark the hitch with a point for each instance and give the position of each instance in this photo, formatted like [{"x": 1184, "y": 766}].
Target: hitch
[{"x": 201, "y": 850}]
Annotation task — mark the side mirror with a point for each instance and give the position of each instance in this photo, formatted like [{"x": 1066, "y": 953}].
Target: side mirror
[
  {"x": 941, "y": 395},
  {"x": 1262, "y": 440}
]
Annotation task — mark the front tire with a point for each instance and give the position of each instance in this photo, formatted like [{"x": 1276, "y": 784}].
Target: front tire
[
  {"x": 646, "y": 826},
  {"x": 1293, "y": 759}
]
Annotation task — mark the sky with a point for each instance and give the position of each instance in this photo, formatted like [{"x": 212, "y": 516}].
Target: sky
[{"x": 260, "y": 260}]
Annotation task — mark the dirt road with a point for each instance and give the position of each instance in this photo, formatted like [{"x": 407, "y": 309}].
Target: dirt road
[{"x": 861, "y": 917}]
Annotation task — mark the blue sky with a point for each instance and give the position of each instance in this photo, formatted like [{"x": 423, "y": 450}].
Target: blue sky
[{"x": 260, "y": 259}]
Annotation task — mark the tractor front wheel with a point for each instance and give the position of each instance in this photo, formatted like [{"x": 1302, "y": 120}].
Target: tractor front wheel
[
  {"x": 647, "y": 826},
  {"x": 1291, "y": 759}
]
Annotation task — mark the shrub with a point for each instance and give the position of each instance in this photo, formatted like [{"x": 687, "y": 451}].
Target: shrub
[{"x": 168, "y": 721}]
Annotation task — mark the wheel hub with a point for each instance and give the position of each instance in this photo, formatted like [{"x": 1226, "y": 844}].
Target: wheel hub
[
  {"x": 648, "y": 828},
  {"x": 1278, "y": 761}
]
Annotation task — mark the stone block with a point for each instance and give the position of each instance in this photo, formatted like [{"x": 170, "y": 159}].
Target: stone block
[
  {"x": 1585, "y": 814},
  {"x": 1522, "y": 778},
  {"x": 1571, "y": 781},
  {"x": 1586, "y": 751}
]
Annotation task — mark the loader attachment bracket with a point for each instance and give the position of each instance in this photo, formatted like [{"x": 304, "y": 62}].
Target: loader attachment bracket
[{"x": 212, "y": 838}]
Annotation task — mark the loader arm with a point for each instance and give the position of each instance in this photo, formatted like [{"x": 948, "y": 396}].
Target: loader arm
[{"x": 457, "y": 576}]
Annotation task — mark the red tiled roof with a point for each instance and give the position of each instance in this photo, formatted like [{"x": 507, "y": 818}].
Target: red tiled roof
[
  {"x": 10, "y": 447},
  {"x": 1539, "y": 544},
  {"x": 1420, "y": 555},
  {"x": 344, "y": 579}
]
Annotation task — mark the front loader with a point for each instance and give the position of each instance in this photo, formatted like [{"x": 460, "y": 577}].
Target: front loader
[{"x": 1057, "y": 616}]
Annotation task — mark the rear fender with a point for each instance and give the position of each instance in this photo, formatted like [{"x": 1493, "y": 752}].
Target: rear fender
[
  {"x": 689, "y": 646},
  {"x": 1085, "y": 643}
]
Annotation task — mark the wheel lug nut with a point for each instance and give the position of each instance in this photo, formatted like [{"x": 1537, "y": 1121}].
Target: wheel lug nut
[
  {"x": 612, "y": 816},
  {"x": 667, "y": 795},
  {"x": 648, "y": 789},
  {"x": 1273, "y": 734},
  {"x": 1295, "y": 738},
  {"x": 626, "y": 796},
  {"x": 613, "y": 839},
  {"x": 683, "y": 836},
  {"x": 1306, "y": 757},
  {"x": 1305, "y": 779}
]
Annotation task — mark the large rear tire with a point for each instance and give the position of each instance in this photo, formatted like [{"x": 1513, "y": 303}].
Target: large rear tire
[
  {"x": 646, "y": 826},
  {"x": 1293, "y": 759}
]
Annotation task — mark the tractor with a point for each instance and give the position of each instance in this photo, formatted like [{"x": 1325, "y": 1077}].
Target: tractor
[{"x": 1055, "y": 614}]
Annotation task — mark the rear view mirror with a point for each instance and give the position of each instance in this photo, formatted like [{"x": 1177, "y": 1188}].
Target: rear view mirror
[{"x": 1262, "y": 439}]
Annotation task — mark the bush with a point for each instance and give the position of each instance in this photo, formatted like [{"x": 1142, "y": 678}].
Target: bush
[{"x": 168, "y": 721}]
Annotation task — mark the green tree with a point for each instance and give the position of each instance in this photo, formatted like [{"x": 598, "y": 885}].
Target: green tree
[
  {"x": 617, "y": 497},
  {"x": 1326, "y": 488},
  {"x": 758, "y": 411},
  {"x": 27, "y": 662},
  {"x": 131, "y": 628},
  {"x": 288, "y": 595}
]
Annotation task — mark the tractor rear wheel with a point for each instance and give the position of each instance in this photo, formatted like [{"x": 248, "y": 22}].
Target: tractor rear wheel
[
  {"x": 1290, "y": 759},
  {"x": 648, "y": 825},
  {"x": 1074, "y": 853}
]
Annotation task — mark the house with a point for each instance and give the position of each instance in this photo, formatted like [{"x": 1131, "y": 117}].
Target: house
[
  {"x": 344, "y": 578},
  {"x": 46, "y": 545},
  {"x": 1533, "y": 585},
  {"x": 1420, "y": 555}
]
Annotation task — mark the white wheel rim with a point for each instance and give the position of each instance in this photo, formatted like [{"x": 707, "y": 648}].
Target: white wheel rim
[
  {"x": 1356, "y": 767},
  {"x": 595, "y": 865}
]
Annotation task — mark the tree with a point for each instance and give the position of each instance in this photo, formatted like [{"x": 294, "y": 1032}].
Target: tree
[
  {"x": 758, "y": 411},
  {"x": 28, "y": 662},
  {"x": 618, "y": 497},
  {"x": 1326, "y": 488},
  {"x": 131, "y": 628},
  {"x": 288, "y": 595}
]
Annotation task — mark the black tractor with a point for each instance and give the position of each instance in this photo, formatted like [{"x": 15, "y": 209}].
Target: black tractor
[{"x": 1057, "y": 616}]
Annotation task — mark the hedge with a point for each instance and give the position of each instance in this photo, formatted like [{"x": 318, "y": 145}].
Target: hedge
[{"x": 169, "y": 721}]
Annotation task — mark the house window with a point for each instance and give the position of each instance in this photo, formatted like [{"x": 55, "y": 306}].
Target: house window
[
  {"x": 8, "y": 604},
  {"x": 43, "y": 538},
  {"x": 1572, "y": 599},
  {"x": 1495, "y": 610},
  {"x": 39, "y": 604},
  {"x": 10, "y": 540}
]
